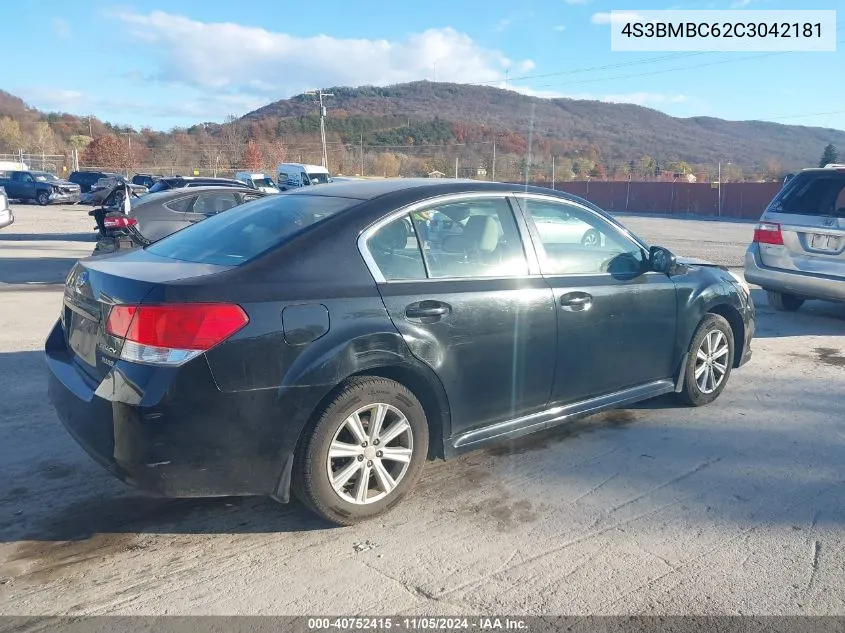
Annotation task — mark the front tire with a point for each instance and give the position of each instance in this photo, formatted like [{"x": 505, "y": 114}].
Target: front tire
[
  {"x": 43, "y": 198},
  {"x": 711, "y": 357},
  {"x": 783, "y": 302},
  {"x": 363, "y": 453}
]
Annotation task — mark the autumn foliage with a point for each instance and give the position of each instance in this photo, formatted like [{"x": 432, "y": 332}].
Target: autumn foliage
[
  {"x": 252, "y": 158},
  {"x": 107, "y": 152}
]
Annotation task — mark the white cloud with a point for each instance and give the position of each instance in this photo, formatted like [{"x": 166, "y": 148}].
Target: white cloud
[
  {"x": 227, "y": 57},
  {"x": 644, "y": 98},
  {"x": 560, "y": 28},
  {"x": 205, "y": 107},
  {"x": 502, "y": 25},
  {"x": 616, "y": 17},
  {"x": 60, "y": 27},
  {"x": 636, "y": 98}
]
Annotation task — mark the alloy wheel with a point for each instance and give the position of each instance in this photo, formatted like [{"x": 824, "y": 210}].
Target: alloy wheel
[
  {"x": 370, "y": 453},
  {"x": 711, "y": 361}
]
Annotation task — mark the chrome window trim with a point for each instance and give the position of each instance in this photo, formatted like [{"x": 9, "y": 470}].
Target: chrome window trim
[{"x": 368, "y": 232}]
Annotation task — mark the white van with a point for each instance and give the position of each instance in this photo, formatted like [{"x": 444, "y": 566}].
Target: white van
[
  {"x": 262, "y": 182},
  {"x": 290, "y": 175}
]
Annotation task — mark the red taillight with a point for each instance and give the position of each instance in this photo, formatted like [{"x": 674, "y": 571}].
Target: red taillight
[
  {"x": 768, "y": 233},
  {"x": 173, "y": 333},
  {"x": 120, "y": 222}
]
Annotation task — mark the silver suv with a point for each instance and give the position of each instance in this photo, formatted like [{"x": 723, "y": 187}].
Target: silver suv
[{"x": 798, "y": 252}]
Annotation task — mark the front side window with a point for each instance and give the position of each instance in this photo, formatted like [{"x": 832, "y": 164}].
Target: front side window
[{"x": 576, "y": 241}]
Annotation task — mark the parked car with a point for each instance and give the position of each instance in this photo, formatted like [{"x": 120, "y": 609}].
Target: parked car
[
  {"x": 295, "y": 175},
  {"x": 178, "y": 182},
  {"x": 798, "y": 250},
  {"x": 307, "y": 342},
  {"x": 109, "y": 191},
  {"x": 147, "y": 180},
  {"x": 262, "y": 182},
  {"x": 157, "y": 215},
  {"x": 38, "y": 186},
  {"x": 7, "y": 218},
  {"x": 87, "y": 179}
]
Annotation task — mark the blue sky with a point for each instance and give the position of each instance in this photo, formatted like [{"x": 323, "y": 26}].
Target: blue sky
[{"x": 158, "y": 64}]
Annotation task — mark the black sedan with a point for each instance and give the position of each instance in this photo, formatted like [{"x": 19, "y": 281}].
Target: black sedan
[{"x": 317, "y": 342}]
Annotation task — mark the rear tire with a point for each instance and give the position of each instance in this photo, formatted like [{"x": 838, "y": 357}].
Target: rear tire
[
  {"x": 710, "y": 360},
  {"x": 362, "y": 481},
  {"x": 43, "y": 198},
  {"x": 591, "y": 238},
  {"x": 783, "y": 302}
]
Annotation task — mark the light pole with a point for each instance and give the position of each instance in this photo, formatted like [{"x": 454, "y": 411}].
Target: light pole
[
  {"x": 720, "y": 186},
  {"x": 320, "y": 94}
]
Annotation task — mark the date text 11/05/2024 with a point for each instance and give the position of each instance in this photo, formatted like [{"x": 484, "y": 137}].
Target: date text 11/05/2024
[{"x": 417, "y": 624}]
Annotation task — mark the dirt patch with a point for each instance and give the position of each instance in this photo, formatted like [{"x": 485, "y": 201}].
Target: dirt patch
[
  {"x": 830, "y": 356},
  {"x": 48, "y": 560},
  {"x": 56, "y": 470},
  {"x": 545, "y": 439},
  {"x": 508, "y": 515}
]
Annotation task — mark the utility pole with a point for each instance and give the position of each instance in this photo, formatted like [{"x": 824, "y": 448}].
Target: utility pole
[
  {"x": 553, "y": 172},
  {"x": 720, "y": 188},
  {"x": 362, "y": 154},
  {"x": 494, "y": 160},
  {"x": 320, "y": 94},
  {"x": 90, "y": 129},
  {"x": 456, "y": 167}
]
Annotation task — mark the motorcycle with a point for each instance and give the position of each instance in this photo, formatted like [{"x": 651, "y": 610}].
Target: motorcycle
[{"x": 115, "y": 229}]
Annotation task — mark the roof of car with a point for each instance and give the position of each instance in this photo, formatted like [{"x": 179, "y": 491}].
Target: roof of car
[
  {"x": 369, "y": 189},
  {"x": 167, "y": 194}
]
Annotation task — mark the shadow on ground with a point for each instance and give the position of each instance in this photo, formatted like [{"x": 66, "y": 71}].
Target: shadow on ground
[
  {"x": 49, "y": 237},
  {"x": 814, "y": 318},
  {"x": 35, "y": 270}
]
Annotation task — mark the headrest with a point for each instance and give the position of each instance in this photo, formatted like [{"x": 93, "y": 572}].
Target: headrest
[
  {"x": 393, "y": 236},
  {"x": 482, "y": 233}
]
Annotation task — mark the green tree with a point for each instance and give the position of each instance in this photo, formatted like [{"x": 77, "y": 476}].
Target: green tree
[
  {"x": 830, "y": 155},
  {"x": 79, "y": 141}
]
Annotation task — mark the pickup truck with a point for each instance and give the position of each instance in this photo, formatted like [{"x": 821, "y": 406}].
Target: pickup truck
[{"x": 38, "y": 186}]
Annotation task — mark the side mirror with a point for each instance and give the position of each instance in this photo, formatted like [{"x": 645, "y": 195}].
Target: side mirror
[{"x": 661, "y": 260}]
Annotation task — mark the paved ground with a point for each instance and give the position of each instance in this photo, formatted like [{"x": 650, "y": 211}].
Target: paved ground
[{"x": 734, "y": 508}]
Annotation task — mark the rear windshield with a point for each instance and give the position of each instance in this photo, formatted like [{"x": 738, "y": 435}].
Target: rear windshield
[
  {"x": 813, "y": 194},
  {"x": 240, "y": 234}
]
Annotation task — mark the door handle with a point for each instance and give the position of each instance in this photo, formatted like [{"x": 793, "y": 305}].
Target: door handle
[
  {"x": 576, "y": 301},
  {"x": 427, "y": 310}
]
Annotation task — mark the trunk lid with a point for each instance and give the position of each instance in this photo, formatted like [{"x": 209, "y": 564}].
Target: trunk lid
[
  {"x": 811, "y": 213},
  {"x": 96, "y": 284}
]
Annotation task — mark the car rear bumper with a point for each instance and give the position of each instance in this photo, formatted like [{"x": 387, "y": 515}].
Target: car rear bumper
[
  {"x": 800, "y": 284},
  {"x": 171, "y": 432}
]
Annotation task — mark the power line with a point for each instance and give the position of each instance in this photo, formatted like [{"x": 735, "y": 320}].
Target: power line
[{"x": 670, "y": 70}]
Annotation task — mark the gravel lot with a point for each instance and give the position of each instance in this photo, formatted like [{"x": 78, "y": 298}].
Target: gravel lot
[{"x": 734, "y": 508}]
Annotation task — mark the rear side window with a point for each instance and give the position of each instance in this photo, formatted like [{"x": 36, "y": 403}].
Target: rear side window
[
  {"x": 229, "y": 239},
  {"x": 181, "y": 205},
  {"x": 813, "y": 194}
]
